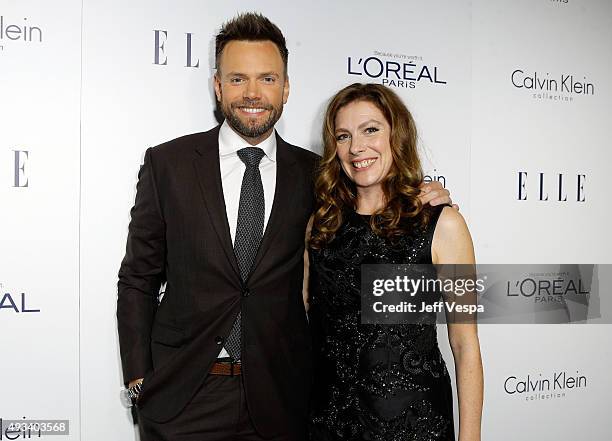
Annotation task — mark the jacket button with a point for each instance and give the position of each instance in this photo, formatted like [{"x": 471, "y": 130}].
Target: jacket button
[
  {"x": 218, "y": 340},
  {"x": 245, "y": 292}
]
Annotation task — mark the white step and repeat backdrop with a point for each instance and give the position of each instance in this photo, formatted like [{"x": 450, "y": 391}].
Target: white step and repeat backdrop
[{"x": 512, "y": 102}]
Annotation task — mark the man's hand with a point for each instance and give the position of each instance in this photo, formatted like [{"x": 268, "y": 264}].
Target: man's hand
[
  {"x": 434, "y": 194},
  {"x": 133, "y": 382}
]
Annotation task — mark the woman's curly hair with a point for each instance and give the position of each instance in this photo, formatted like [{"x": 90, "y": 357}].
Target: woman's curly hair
[{"x": 335, "y": 192}]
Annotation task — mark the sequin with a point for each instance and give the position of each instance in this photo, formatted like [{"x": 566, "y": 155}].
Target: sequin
[{"x": 373, "y": 382}]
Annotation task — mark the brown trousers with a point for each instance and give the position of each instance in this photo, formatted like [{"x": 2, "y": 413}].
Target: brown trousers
[{"x": 218, "y": 412}]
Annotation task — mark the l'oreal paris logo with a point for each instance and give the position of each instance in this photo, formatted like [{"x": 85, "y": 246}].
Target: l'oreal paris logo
[
  {"x": 405, "y": 74},
  {"x": 16, "y": 303},
  {"x": 547, "y": 289}
]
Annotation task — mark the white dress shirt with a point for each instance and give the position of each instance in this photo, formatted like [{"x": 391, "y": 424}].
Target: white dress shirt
[{"x": 232, "y": 171}]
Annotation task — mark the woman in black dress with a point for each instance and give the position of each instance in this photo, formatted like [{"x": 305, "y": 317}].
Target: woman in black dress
[{"x": 382, "y": 382}]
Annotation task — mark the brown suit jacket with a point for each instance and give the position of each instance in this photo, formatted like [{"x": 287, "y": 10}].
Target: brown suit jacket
[{"x": 179, "y": 234}]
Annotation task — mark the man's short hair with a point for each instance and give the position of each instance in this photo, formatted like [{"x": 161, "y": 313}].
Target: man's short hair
[{"x": 250, "y": 26}]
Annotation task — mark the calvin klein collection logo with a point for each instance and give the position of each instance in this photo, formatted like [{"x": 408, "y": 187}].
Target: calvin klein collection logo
[
  {"x": 160, "y": 56},
  {"x": 544, "y": 387},
  {"x": 551, "y": 187},
  {"x": 435, "y": 176},
  {"x": 13, "y": 31},
  {"x": 395, "y": 70},
  {"x": 545, "y": 86}
]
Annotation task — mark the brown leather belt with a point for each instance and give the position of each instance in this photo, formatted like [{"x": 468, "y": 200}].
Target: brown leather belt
[{"x": 226, "y": 368}]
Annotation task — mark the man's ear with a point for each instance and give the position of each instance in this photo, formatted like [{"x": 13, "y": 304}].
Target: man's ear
[
  {"x": 286, "y": 90},
  {"x": 217, "y": 81}
]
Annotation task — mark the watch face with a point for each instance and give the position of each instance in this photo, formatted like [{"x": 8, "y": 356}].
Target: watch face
[{"x": 125, "y": 399}]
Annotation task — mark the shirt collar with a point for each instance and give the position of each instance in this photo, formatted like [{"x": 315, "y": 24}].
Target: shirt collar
[{"x": 230, "y": 142}]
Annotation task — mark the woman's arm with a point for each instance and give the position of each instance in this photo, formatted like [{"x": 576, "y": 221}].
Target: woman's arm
[{"x": 452, "y": 244}]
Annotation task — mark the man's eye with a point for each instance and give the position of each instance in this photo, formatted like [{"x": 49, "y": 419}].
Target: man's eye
[
  {"x": 235, "y": 80},
  {"x": 269, "y": 80}
]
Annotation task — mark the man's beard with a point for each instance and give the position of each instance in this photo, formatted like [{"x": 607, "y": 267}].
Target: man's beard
[{"x": 251, "y": 130}]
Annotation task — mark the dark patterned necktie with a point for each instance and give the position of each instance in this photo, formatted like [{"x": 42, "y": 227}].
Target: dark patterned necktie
[{"x": 249, "y": 229}]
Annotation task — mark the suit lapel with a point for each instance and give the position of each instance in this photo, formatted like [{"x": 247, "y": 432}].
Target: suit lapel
[
  {"x": 282, "y": 198},
  {"x": 209, "y": 176}
]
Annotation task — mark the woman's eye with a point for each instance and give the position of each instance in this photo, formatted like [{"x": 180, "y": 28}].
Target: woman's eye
[
  {"x": 371, "y": 130},
  {"x": 341, "y": 137}
]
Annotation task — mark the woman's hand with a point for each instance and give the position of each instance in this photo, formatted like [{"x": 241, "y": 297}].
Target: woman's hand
[{"x": 306, "y": 263}]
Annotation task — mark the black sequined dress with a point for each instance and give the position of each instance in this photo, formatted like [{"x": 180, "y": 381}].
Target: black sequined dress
[{"x": 373, "y": 382}]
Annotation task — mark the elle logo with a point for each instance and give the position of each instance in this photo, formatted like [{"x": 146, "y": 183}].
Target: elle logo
[
  {"x": 160, "y": 58},
  {"x": 557, "y": 185},
  {"x": 20, "y": 177}
]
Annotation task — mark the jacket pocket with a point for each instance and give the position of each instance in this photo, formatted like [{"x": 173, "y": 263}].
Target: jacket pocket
[{"x": 167, "y": 335}]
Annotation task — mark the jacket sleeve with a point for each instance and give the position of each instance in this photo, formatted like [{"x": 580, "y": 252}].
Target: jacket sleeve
[{"x": 141, "y": 274}]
